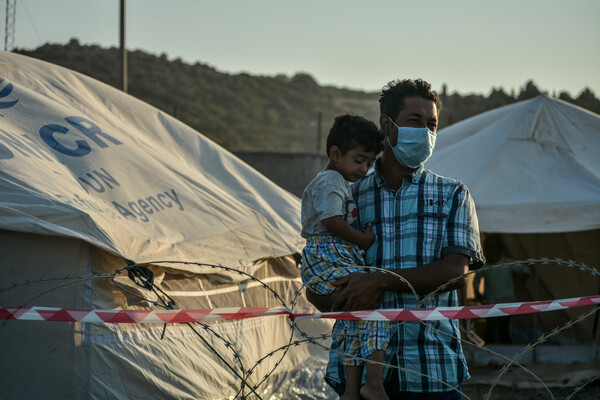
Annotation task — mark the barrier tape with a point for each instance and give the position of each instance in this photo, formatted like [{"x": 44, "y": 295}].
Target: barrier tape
[{"x": 188, "y": 316}]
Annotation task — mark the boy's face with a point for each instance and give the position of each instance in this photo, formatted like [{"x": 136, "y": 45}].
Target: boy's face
[{"x": 354, "y": 164}]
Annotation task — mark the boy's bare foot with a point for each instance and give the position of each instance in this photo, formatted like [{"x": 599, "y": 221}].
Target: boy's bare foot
[
  {"x": 351, "y": 396},
  {"x": 373, "y": 391}
]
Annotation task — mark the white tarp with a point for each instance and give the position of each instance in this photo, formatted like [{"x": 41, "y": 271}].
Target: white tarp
[
  {"x": 532, "y": 167},
  {"x": 89, "y": 176},
  {"x": 79, "y": 158}
]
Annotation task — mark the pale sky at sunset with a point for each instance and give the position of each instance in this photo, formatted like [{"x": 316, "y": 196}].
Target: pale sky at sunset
[{"x": 471, "y": 45}]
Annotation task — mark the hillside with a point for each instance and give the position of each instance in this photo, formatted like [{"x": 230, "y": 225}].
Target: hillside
[{"x": 246, "y": 112}]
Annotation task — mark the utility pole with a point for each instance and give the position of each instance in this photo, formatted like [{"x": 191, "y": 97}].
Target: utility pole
[
  {"x": 9, "y": 27},
  {"x": 319, "y": 134},
  {"x": 123, "y": 50}
]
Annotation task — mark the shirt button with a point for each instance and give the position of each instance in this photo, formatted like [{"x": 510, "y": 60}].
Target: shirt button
[{"x": 397, "y": 258}]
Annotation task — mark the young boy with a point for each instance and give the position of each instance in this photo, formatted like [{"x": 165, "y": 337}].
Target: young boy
[{"x": 334, "y": 246}]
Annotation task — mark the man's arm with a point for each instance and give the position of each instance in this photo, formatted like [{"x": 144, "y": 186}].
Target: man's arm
[{"x": 363, "y": 291}]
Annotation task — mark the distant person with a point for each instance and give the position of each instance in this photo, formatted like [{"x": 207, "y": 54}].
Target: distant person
[
  {"x": 335, "y": 246},
  {"x": 498, "y": 286},
  {"x": 426, "y": 231}
]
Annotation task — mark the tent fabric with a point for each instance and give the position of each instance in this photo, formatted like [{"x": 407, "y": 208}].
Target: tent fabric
[
  {"x": 547, "y": 281},
  {"x": 91, "y": 177},
  {"x": 532, "y": 166},
  {"x": 534, "y": 172},
  {"x": 124, "y": 361},
  {"x": 81, "y": 159}
]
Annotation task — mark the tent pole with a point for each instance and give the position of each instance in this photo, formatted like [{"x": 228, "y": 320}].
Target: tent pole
[
  {"x": 536, "y": 292},
  {"x": 122, "y": 48},
  {"x": 596, "y": 320}
]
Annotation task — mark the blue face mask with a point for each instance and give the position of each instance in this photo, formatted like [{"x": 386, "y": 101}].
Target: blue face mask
[{"x": 414, "y": 145}]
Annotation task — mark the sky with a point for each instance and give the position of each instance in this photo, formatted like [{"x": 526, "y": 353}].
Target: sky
[{"x": 472, "y": 46}]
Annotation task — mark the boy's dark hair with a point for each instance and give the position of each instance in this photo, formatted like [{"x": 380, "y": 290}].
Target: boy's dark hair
[
  {"x": 393, "y": 95},
  {"x": 350, "y": 131}
]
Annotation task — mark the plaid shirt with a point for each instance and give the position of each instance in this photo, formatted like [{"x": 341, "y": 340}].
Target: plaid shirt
[{"x": 428, "y": 217}]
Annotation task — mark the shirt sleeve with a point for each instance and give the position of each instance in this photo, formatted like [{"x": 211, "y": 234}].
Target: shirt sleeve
[
  {"x": 463, "y": 228},
  {"x": 330, "y": 196}
]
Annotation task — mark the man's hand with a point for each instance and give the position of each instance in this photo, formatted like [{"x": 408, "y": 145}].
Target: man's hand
[{"x": 358, "y": 292}]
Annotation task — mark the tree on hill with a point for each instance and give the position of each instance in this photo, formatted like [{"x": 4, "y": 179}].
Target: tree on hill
[
  {"x": 588, "y": 100},
  {"x": 245, "y": 112},
  {"x": 529, "y": 91}
]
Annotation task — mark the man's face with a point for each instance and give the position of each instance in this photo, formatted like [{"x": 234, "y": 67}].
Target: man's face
[{"x": 418, "y": 112}]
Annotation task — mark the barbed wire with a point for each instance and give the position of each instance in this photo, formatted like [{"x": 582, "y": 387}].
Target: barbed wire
[
  {"x": 579, "y": 388},
  {"x": 541, "y": 340},
  {"x": 244, "y": 375}
]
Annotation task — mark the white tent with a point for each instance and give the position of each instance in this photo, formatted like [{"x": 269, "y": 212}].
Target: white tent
[
  {"x": 91, "y": 177},
  {"x": 533, "y": 168}
]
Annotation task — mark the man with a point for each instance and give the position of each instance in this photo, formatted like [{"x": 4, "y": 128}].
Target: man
[{"x": 426, "y": 232}]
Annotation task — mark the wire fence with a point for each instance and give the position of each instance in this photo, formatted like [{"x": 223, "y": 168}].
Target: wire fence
[{"x": 232, "y": 359}]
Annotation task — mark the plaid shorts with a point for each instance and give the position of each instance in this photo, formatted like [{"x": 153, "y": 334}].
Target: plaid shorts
[
  {"x": 325, "y": 258},
  {"x": 360, "y": 339}
]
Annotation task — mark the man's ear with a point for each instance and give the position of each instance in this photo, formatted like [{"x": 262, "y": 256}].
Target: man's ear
[
  {"x": 384, "y": 123},
  {"x": 388, "y": 130},
  {"x": 335, "y": 153}
]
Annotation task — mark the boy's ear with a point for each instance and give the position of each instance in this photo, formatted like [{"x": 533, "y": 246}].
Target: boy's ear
[{"x": 335, "y": 153}]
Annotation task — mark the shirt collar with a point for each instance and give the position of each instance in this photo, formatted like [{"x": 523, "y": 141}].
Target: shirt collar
[{"x": 413, "y": 177}]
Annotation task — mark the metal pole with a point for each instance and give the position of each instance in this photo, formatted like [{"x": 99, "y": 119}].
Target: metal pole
[
  {"x": 319, "y": 134},
  {"x": 596, "y": 319},
  {"x": 9, "y": 27},
  {"x": 123, "y": 50},
  {"x": 6, "y": 27},
  {"x": 536, "y": 292}
]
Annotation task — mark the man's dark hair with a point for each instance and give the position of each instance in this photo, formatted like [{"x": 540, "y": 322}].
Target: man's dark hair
[
  {"x": 393, "y": 95},
  {"x": 350, "y": 131}
]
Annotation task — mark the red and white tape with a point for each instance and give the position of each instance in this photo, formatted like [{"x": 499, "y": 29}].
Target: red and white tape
[
  {"x": 135, "y": 316},
  {"x": 463, "y": 312},
  {"x": 187, "y": 316}
]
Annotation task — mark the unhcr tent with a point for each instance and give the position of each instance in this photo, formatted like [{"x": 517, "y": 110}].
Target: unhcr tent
[
  {"x": 92, "y": 179},
  {"x": 533, "y": 169}
]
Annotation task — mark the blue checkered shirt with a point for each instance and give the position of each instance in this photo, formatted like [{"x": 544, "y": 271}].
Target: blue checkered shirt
[{"x": 428, "y": 217}]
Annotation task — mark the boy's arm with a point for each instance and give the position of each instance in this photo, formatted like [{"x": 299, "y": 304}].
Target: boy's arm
[{"x": 340, "y": 228}]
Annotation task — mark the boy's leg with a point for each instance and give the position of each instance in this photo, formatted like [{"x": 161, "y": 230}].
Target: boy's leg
[
  {"x": 373, "y": 388},
  {"x": 353, "y": 381},
  {"x": 374, "y": 340},
  {"x": 353, "y": 366}
]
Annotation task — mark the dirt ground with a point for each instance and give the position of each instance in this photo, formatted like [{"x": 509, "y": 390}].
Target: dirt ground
[
  {"x": 577, "y": 381},
  {"x": 478, "y": 392}
]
